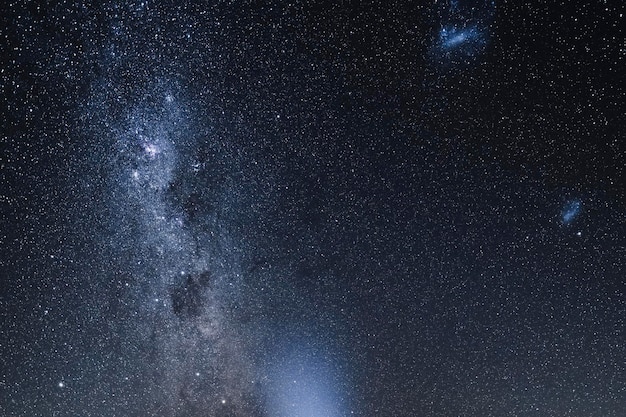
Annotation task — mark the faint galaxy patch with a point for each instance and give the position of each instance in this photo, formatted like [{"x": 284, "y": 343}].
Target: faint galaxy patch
[
  {"x": 571, "y": 210},
  {"x": 463, "y": 40},
  {"x": 463, "y": 31}
]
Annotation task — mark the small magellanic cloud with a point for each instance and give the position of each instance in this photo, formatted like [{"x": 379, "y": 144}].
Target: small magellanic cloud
[{"x": 570, "y": 211}]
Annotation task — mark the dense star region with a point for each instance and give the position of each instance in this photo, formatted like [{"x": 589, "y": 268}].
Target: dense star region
[{"x": 312, "y": 209}]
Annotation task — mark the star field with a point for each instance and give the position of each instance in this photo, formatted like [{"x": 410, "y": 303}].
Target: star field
[{"x": 312, "y": 209}]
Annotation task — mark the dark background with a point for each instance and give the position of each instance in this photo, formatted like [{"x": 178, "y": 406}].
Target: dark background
[{"x": 399, "y": 203}]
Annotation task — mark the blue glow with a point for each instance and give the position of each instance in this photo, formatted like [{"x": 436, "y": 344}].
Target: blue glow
[
  {"x": 571, "y": 211},
  {"x": 464, "y": 31},
  {"x": 452, "y": 37},
  {"x": 305, "y": 382}
]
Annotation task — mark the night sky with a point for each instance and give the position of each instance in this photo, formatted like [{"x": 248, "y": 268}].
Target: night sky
[{"x": 312, "y": 209}]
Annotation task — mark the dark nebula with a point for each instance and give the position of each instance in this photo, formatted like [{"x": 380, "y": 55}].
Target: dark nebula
[{"x": 188, "y": 297}]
